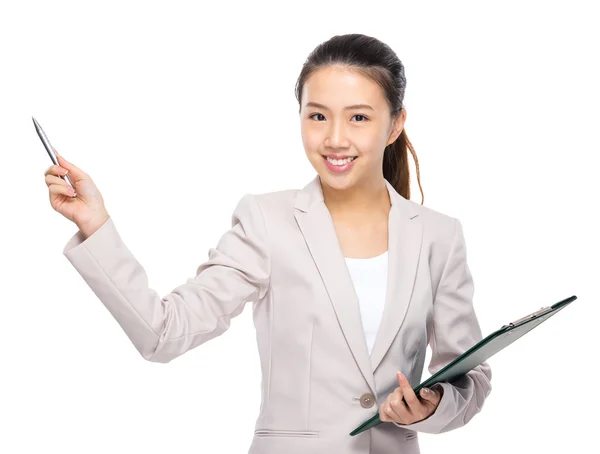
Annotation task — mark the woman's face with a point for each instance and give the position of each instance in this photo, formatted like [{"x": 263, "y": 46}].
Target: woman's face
[{"x": 333, "y": 127}]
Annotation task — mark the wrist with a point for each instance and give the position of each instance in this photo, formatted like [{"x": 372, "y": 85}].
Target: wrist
[{"x": 90, "y": 227}]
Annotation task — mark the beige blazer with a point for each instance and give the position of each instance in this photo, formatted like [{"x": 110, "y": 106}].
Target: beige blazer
[{"x": 318, "y": 380}]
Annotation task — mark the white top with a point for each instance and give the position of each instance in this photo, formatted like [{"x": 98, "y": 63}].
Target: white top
[{"x": 369, "y": 276}]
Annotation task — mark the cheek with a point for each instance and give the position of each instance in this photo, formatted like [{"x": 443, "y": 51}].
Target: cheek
[
  {"x": 368, "y": 145},
  {"x": 312, "y": 146},
  {"x": 308, "y": 139}
]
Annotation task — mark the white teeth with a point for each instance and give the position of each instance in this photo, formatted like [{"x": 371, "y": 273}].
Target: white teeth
[{"x": 340, "y": 162}]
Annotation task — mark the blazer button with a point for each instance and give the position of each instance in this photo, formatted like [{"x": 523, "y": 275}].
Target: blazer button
[{"x": 367, "y": 400}]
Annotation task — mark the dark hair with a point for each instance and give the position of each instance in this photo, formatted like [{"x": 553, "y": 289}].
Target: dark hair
[{"x": 377, "y": 61}]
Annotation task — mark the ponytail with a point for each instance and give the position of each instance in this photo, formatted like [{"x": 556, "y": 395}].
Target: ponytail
[{"x": 395, "y": 166}]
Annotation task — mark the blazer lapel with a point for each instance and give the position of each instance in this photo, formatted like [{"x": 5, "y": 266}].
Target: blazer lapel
[
  {"x": 405, "y": 235},
  {"x": 404, "y": 245}
]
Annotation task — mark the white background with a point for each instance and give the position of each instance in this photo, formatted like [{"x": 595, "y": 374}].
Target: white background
[{"x": 176, "y": 110}]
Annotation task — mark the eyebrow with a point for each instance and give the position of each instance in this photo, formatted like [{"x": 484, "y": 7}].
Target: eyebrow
[{"x": 352, "y": 107}]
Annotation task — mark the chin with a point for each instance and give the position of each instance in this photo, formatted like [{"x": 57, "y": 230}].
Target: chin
[{"x": 339, "y": 182}]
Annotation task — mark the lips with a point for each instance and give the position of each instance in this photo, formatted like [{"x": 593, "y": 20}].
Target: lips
[{"x": 339, "y": 169}]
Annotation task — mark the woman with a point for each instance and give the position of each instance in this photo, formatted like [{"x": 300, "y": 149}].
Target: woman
[{"x": 350, "y": 279}]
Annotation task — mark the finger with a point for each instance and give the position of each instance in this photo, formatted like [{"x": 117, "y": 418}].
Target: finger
[
  {"x": 53, "y": 179},
  {"x": 382, "y": 410},
  {"x": 60, "y": 189},
  {"x": 398, "y": 406},
  {"x": 56, "y": 170},
  {"x": 387, "y": 414},
  {"x": 393, "y": 411},
  {"x": 409, "y": 395},
  {"x": 382, "y": 414}
]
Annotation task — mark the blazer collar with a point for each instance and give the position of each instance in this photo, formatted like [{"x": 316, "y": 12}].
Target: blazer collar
[{"x": 405, "y": 233}]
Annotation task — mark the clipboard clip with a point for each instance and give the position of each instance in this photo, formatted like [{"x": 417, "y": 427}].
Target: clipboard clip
[{"x": 535, "y": 314}]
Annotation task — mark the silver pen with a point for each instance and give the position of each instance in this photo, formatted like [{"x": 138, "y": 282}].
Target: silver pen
[{"x": 49, "y": 149}]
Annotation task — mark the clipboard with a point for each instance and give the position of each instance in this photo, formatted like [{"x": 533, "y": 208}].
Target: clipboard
[{"x": 481, "y": 351}]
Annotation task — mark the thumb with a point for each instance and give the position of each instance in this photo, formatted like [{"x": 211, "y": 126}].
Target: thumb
[
  {"x": 429, "y": 395},
  {"x": 72, "y": 168}
]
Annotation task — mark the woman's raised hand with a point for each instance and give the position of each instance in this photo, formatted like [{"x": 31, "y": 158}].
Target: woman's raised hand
[{"x": 84, "y": 206}]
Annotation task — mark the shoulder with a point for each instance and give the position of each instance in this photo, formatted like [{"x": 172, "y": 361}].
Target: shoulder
[
  {"x": 283, "y": 196},
  {"x": 441, "y": 230},
  {"x": 268, "y": 207},
  {"x": 433, "y": 219},
  {"x": 274, "y": 202}
]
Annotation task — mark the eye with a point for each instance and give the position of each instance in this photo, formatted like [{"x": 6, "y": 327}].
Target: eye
[
  {"x": 356, "y": 115},
  {"x": 310, "y": 116}
]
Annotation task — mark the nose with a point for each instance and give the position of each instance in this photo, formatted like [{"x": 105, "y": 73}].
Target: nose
[{"x": 337, "y": 137}]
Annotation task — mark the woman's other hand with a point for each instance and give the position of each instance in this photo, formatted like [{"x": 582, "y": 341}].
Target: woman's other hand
[{"x": 415, "y": 409}]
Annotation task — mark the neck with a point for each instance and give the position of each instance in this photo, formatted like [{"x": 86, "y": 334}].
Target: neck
[{"x": 362, "y": 199}]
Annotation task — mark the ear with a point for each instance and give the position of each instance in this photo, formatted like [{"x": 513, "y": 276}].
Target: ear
[{"x": 397, "y": 126}]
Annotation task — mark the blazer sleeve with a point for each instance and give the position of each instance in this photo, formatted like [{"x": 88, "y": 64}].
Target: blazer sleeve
[
  {"x": 455, "y": 330},
  {"x": 237, "y": 271}
]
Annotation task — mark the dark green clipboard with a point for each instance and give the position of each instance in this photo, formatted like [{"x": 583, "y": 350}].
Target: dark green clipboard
[{"x": 481, "y": 351}]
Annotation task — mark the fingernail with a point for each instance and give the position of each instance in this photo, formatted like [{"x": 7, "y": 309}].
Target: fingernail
[
  {"x": 401, "y": 374},
  {"x": 426, "y": 391}
]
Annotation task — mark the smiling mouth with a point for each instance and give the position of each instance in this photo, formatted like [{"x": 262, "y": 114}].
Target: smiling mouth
[
  {"x": 336, "y": 167},
  {"x": 354, "y": 158}
]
